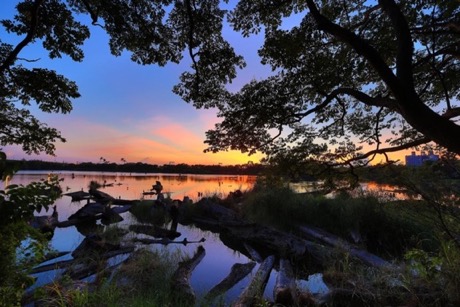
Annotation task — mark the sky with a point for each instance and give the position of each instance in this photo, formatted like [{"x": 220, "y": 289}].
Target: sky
[{"x": 128, "y": 111}]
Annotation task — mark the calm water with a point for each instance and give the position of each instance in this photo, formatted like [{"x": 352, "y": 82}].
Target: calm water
[{"x": 219, "y": 258}]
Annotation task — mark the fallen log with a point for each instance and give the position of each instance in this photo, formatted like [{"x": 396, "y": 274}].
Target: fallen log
[
  {"x": 166, "y": 241},
  {"x": 253, "y": 253},
  {"x": 180, "y": 282},
  {"x": 78, "y": 195},
  {"x": 94, "y": 245},
  {"x": 257, "y": 285},
  {"x": 155, "y": 231},
  {"x": 68, "y": 223},
  {"x": 54, "y": 255},
  {"x": 53, "y": 266},
  {"x": 281, "y": 244},
  {"x": 284, "y": 292},
  {"x": 328, "y": 238},
  {"x": 63, "y": 264},
  {"x": 237, "y": 273}
]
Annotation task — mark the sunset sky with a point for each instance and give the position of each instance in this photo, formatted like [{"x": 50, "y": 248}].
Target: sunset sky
[{"x": 128, "y": 110}]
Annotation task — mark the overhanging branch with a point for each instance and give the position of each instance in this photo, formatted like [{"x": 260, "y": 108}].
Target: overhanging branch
[{"x": 29, "y": 37}]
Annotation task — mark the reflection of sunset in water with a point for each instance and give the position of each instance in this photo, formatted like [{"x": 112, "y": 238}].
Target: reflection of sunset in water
[
  {"x": 131, "y": 185},
  {"x": 219, "y": 258}
]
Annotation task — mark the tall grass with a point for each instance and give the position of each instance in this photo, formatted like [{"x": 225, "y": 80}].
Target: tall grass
[
  {"x": 383, "y": 228},
  {"x": 143, "y": 280}
]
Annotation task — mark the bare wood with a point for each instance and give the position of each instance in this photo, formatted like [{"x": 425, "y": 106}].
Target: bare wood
[
  {"x": 257, "y": 285},
  {"x": 180, "y": 283},
  {"x": 52, "y": 266},
  {"x": 166, "y": 241},
  {"x": 67, "y": 263},
  {"x": 237, "y": 273},
  {"x": 284, "y": 292},
  {"x": 364, "y": 256},
  {"x": 253, "y": 253}
]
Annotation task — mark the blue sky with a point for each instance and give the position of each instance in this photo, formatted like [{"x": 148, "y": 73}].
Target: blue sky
[{"x": 128, "y": 110}]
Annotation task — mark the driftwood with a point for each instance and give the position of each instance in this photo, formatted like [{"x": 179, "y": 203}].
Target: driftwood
[
  {"x": 109, "y": 215},
  {"x": 53, "y": 266},
  {"x": 253, "y": 253},
  {"x": 155, "y": 231},
  {"x": 68, "y": 223},
  {"x": 237, "y": 273},
  {"x": 166, "y": 241},
  {"x": 78, "y": 195},
  {"x": 93, "y": 244},
  {"x": 364, "y": 256},
  {"x": 281, "y": 244},
  {"x": 284, "y": 292},
  {"x": 180, "y": 283},
  {"x": 54, "y": 255},
  {"x": 257, "y": 285},
  {"x": 67, "y": 263}
]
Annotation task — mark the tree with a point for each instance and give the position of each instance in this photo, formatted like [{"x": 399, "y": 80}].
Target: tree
[{"x": 380, "y": 73}]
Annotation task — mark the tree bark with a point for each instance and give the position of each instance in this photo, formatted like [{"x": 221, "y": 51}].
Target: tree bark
[
  {"x": 364, "y": 256},
  {"x": 180, "y": 283},
  {"x": 257, "y": 285},
  {"x": 237, "y": 273},
  {"x": 284, "y": 292}
]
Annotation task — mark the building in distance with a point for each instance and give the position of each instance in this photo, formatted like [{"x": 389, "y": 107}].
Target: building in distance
[{"x": 417, "y": 160}]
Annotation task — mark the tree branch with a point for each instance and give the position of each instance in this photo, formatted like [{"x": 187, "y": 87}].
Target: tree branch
[
  {"x": 404, "y": 42},
  {"x": 29, "y": 37},
  {"x": 390, "y": 149},
  {"x": 361, "y": 46}
]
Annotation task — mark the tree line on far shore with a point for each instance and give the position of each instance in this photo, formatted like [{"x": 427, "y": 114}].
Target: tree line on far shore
[{"x": 140, "y": 167}]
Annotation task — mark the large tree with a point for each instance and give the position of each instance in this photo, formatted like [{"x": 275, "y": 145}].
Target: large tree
[{"x": 381, "y": 73}]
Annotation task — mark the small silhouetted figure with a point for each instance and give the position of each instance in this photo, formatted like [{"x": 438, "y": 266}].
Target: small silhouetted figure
[{"x": 157, "y": 187}]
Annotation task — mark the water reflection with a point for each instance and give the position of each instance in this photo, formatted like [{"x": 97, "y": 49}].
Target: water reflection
[{"x": 219, "y": 257}]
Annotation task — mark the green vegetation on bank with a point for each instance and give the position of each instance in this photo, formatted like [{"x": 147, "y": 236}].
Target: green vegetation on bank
[
  {"x": 388, "y": 229},
  {"x": 143, "y": 280}
]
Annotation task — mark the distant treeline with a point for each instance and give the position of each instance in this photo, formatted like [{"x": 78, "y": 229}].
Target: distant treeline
[{"x": 139, "y": 167}]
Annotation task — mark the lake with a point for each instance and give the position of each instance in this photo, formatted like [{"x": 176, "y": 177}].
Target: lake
[{"x": 219, "y": 258}]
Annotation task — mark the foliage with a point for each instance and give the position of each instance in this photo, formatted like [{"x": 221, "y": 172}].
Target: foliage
[
  {"x": 345, "y": 75},
  {"x": 439, "y": 271},
  {"x": 144, "y": 280},
  {"x": 17, "y": 255},
  {"x": 387, "y": 229}
]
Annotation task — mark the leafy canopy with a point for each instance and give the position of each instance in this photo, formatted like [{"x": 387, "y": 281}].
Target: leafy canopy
[{"x": 352, "y": 73}]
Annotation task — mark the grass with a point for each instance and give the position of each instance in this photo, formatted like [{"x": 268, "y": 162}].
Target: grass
[
  {"x": 388, "y": 229},
  {"x": 145, "y": 212},
  {"x": 144, "y": 280}
]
